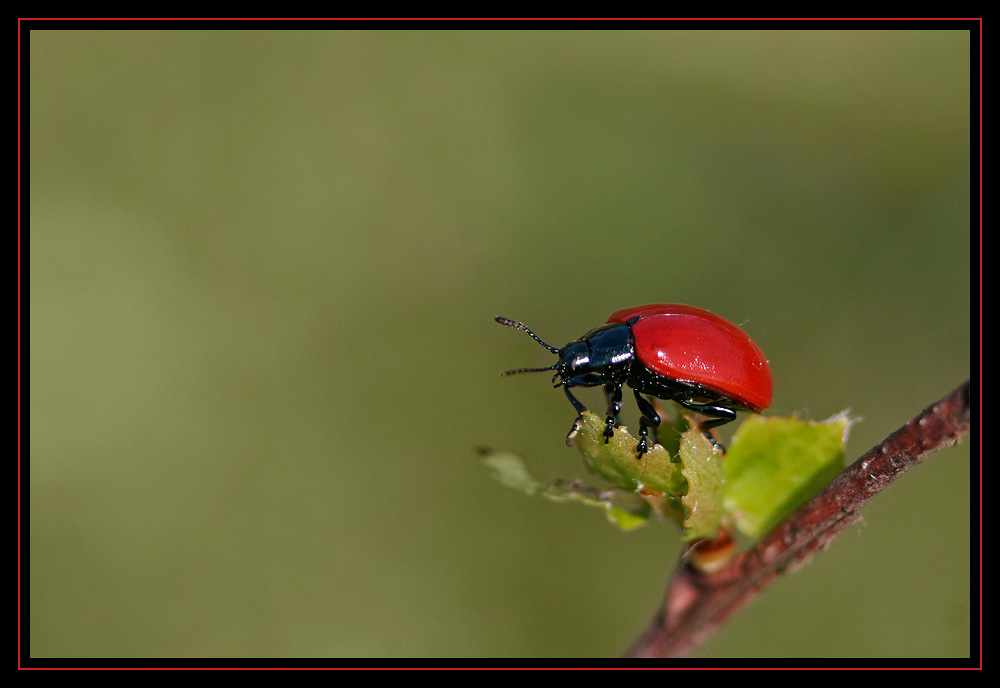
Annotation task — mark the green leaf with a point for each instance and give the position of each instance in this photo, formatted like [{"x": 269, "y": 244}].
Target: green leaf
[
  {"x": 702, "y": 466},
  {"x": 777, "y": 464},
  {"x": 510, "y": 470},
  {"x": 616, "y": 461},
  {"x": 773, "y": 466},
  {"x": 624, "y": 509}
]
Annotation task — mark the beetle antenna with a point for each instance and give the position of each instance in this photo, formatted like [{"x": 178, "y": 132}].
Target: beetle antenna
[
  {"x": 521, "y": 326},
  {"x": 527, "y": 370}
]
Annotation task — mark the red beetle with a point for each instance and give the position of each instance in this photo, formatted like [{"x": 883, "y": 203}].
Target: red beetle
[{"x": 669, "y": 351}]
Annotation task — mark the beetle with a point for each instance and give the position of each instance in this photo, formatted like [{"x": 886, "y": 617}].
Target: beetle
[{"x": 665, "y": 350}]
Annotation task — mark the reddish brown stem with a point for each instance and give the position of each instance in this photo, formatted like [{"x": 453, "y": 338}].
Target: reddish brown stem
[{"x": 697, "y": 604}]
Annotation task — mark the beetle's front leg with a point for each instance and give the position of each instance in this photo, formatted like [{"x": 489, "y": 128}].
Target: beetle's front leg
[
  {"x": 580, "y": 409},
  {"x": 613, "y": 393}
]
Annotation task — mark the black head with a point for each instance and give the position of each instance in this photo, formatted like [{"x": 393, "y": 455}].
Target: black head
[{"x": 602, "y": 355}]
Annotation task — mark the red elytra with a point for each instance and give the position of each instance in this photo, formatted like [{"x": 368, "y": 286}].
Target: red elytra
[{"x": 691, "y": 344}]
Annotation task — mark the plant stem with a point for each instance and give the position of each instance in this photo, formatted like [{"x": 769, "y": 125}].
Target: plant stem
[{"x": 697, "y": 604}]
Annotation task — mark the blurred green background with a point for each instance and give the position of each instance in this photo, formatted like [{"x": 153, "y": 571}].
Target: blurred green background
[{"x": 264, "y": 267}]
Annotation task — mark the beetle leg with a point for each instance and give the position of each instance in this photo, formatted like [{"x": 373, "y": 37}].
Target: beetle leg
[
  {"x": 717, "y": 415},
  {"x": 648, "y": 418},
  {"x": 580, "y": 408},
  {"x": 613, "y": 393}
]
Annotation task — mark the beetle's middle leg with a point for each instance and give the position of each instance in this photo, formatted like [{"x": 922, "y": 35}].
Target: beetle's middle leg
[
  {"x": 648, "y": 418},
  {"x": 613, "y": 393}
]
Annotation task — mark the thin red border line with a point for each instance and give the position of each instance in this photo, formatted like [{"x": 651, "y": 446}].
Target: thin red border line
[
  {"x": 748, "y": 19},
  {"x": 19, "y": 342},
  {"x": 980, "y": 407}
]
